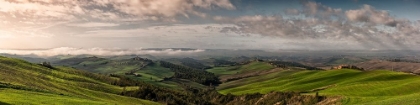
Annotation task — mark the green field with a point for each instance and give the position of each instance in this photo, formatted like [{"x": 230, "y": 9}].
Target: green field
[
  {"x": 35, "y": 84},
  {"x": 155, "y": 71},
  {"x": 253, "y": 66},
  {"x": 356, "y": 87}
]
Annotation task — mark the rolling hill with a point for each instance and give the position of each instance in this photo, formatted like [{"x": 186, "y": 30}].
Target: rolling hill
[
  {"x": 254, "y": 79},
  {"x": 351, "y": 86},
  {"x": 251, "y": 69},
  {"x": 189, "y": 62},
  {"x": 22, "y": 82},
  {"x": 409, "y": 67},
  {"x": 144, "y": 69}
]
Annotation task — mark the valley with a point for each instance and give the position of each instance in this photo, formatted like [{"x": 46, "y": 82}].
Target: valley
[{"x": 97, "y": 80}]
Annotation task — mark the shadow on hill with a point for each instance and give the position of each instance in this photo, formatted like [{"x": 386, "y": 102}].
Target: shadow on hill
[{"x": 3, "y": 103}]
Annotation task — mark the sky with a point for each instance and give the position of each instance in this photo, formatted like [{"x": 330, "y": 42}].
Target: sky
[{"x": 210, "y": 24}]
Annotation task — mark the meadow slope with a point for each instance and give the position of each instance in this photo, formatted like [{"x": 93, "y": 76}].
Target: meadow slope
[
  {"x": 22, "y": 82},
  {"x": 379, "y": 87}
]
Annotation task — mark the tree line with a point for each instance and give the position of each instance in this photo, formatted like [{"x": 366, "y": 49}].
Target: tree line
[{"x": 283, "y": 64}]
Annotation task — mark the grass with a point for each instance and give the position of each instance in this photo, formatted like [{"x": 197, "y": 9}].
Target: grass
[
  {"x": 373, "y": 87},
  {"x": 152, "y": 73},
  {"x": 56, "y": 86},
  {"x": 250, "y": 67},
  {"x": 27, "y": 97},
  {"x": 155, "y": 71},
  {"x": 224, "y": 70}
]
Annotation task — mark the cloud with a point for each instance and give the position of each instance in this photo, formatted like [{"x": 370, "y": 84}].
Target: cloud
[
  {"x": 28, "y": 15},
  {"x": 175, "y": 30},
  {"x": 263, "y": 25},
  {"x": 165, "y": 8},
  {"x": 93, "y": 24},
  {"x": 368, "y": 14},
  {"x": 109, "y": 9},
  {"x": 5, "y": 34},
  {"x": 292, "y": 11},
  {"x": 319, "y": 10},
  {"x": 366, "y": 27},
  {"x": 99, "y": 51}
]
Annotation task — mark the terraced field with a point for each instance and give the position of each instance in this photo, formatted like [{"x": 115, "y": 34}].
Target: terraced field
[
  {"x": 26, "y": 83},
  {"x": 378, "y": 87}
]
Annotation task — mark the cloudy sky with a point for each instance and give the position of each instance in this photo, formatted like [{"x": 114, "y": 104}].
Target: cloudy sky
[{"x": 210, "y": 24}]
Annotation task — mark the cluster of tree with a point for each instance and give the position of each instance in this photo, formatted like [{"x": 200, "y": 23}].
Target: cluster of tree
[
  {"x": 283, "y": 64},
  {"x": 352, "y": 67},
  {"x": 47, "y": 64},
  {"x": 199, "y": 76},
  {"x": 125, "y": 81},
  {"x": 194, "y": 96},
  {"x": 141, "y": 59}
]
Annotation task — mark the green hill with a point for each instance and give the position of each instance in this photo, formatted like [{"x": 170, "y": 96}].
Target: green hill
[
  {"x": 22, "y": 82},
  {"x": 355, "y": 87},
  {"x": 249, "y": 67},
  {"x": 106, "y": 66},
  {"x": 144, "y": 69}
]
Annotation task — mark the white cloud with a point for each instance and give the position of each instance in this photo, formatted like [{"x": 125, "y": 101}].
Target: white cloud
[
  {"x": 319, "y": 10},
  {"x": 165, "y": 8},
  {"x": 5, "y": 34},
  {"x": 93, "y": 24},
  {"x": 109, "y": 9},
  {"x": 369, "y": 14},
  {"x": 27, "y": 15},
  {"x": 179, "y": 30},
  {"x": 98, "y": 51}
]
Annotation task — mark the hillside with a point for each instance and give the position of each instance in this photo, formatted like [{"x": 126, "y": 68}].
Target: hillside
[
  {"x": 189, "y": 62},
  {"x": 144, "y": 69},
  {"x": 354, "y": 87},
  {"x": 22, "y": 82},
  {"x": 104, "y": 65},
  {"x": 254, "y": 68},
  {"x": 409, "y": 67}
]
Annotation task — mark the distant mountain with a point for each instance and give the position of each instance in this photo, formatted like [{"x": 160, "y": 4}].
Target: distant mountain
[{"x": 30, "y": 58}]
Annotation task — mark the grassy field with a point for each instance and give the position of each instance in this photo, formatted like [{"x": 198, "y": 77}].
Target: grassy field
[
  {"x": 253, "y": 66},
  {"x": 152, "y": 73},
  {"x": 41, "y": 85},
  {"x": 373, "y": 87},
  {"x": 155, "y": 71}
]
